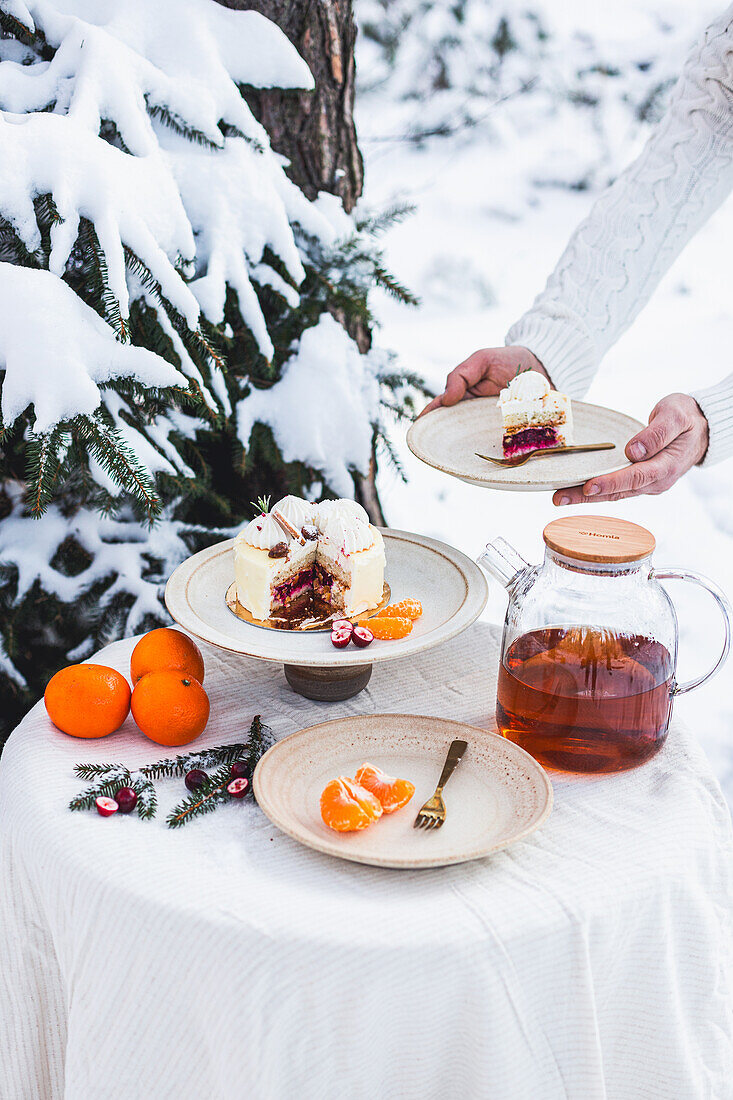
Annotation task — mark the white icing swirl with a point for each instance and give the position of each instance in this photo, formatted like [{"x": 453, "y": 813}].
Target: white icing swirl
[
  {"x": 346, "y": 509},
  {"x": 296, "y": 510},
  {"x": 264, "y": 532},
  {"x": 348, "y": 535},
  {"x": 529, "y": 386}
]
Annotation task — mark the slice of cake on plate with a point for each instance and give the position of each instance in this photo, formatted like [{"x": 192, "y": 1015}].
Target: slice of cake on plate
[
  {"x": 300, "y": 554},
  {"x": 534, "y": 415}
]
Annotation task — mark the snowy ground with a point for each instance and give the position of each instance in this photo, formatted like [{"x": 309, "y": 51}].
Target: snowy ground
[{"x": 477, "y": 250}]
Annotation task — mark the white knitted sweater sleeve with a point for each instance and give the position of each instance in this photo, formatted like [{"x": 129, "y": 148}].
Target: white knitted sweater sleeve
[{"x": 637, "y": 228}]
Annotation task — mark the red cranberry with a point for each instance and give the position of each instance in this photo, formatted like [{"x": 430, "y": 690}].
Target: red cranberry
[
  {"x": 362, "y": 636},
  {"x": 240, "y": 770},
  {"x": 106, "y": 807},
  {"x": 126, "y": 799},
  {"x": 340, "y": 638},
  {"x": 238, "y": 788},
  {"x": 195, "y": 779},
  {"x": 279, "y": 550},
  {"x": 342, "y": 625}
]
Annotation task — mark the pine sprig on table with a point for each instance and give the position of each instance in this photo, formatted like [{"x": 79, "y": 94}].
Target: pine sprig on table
[
  {"x": 260, "y": 739},
  {"x": 147, "y": 798},
  {"x": 110, "y": 777},
  {"x": 205, "y": 758},
  {"x": 96, "y": 771},
  {"x": 107, "y": 789},
  {"x": 212, "y": 794}
]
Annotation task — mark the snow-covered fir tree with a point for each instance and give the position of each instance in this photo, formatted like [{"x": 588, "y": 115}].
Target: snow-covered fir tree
[
  {"x": 168, "y": 347},
  {"x": 493, "y": 69}
]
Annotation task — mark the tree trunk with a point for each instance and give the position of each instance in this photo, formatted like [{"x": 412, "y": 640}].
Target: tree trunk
[{"x": 315, "y": 130}]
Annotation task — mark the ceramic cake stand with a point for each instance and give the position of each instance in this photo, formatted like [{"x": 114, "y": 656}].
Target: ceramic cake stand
[{"x": 451, "y": 588}]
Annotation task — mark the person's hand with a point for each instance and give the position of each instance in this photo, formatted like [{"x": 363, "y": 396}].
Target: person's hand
[
  {"x": 675, "y": 440},
  {"x": 484, "y": 374}
]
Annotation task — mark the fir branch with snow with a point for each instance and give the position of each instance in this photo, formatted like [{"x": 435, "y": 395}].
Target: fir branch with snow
[
  {"x": 163, "y": 279},
  {"x": 111, "y": 777}
]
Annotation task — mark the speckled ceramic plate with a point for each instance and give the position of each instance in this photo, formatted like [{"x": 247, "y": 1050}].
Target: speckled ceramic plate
[
  {"x": 498, "y": 794},
  {"x": 448, "y": 439},
  {"x": 451, "y": 588}
]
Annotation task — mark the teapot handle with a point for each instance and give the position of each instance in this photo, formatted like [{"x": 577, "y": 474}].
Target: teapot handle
[{"x": 725, "y": 609}]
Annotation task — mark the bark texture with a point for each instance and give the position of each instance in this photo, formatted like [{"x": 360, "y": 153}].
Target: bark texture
[{"x": 315, "y": 130}]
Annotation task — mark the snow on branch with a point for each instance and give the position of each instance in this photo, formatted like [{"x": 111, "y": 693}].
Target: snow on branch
[
  {"x": 116, "y": 59},
  {"x": 119, "y": 553},
  {"x": 125, "y": 119},
  {"x": 236, "y": 212},
  {"x": 57, "y": 352},
  {"x": 17, "y": 10},
  {"x": 340, "y": 389},
  {"x": 131, "y": 201}
]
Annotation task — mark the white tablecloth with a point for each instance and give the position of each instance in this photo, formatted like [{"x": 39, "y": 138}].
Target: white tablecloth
[{"x": 225, "y": 961}]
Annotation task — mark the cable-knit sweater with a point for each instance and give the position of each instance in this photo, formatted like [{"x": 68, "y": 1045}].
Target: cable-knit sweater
[{"x": 637, "y": 228}]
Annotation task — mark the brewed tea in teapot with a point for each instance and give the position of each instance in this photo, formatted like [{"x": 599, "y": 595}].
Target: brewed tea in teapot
[{"x": 589, "y": 653}]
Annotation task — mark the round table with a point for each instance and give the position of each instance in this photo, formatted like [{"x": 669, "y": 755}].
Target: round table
[{"x": 591, "y": 961}]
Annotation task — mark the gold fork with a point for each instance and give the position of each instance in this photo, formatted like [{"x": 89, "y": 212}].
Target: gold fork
[
  {"x": 540, "y": 452},
  {"x": 432, "y": 815}
]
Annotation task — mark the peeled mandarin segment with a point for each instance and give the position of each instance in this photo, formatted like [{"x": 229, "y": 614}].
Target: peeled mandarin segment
[
  {"x": 393, "y": 793},
  {"x": 369, "y": 803},
  {"x": 405, "y": 609},
  {"x": 388, "y": 629},
  {"x": 347, "y": 807}
]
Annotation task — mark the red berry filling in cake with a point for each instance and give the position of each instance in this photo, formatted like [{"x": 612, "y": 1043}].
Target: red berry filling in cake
[
  {"x": 530, "y": 439},
  {"x": 294, "y": 587},
  {"x": 534, "y": 416}
]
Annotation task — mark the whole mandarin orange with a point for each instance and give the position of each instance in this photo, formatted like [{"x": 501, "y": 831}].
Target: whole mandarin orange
[
  {"x": 166, "y": 648},
  {"x": 87, "y": 700},
  {"x": 170, "y": 707}
]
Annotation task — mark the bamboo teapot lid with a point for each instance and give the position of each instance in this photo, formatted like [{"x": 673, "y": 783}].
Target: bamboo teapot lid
[{"x": 600, "y": 539}]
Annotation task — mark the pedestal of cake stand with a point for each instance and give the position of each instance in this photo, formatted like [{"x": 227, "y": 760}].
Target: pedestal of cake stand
[{"x": 328, "y": 685}]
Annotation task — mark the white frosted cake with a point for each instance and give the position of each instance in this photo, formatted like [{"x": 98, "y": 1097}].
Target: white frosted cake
[
  {"x": 534, "y": 415},
  {"x": 298, "y": 552}
]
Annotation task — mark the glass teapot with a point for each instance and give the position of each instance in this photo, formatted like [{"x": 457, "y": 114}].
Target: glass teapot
[{"x": 589, "y": 653}]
